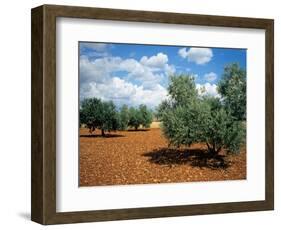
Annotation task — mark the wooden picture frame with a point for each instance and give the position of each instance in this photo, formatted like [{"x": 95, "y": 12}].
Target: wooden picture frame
[{"x": 43, "y": 189}]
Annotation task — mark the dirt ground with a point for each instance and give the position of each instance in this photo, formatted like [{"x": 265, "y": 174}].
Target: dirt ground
[{"x": 142, "y": 157}]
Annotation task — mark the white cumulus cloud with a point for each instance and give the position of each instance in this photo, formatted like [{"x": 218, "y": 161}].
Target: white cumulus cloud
[
  {"x": 210, "y": 76},
  {"x": 123, "y": 92},
  {"x": 182, "y": 52},
  {"x": 140, "y": 82},
  {"x": 158, "y": 60},
  {"x": 208, "y": 89},
  {"x": 94, "y": 46},
  {"x": 198, "y": 55}
]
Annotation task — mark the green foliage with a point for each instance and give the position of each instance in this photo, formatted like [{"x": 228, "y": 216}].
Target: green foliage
[
  {"x": 110, "y": 117},
  {"x": 191, "y": 119},
  {"x": 182, "y": 89},
  {"x": 232, "y": 87},
  {"x": 91, "y": 113},
  {"x": 124, "y": 117},
  {"x": 145, "y": 116},
  {"x": 221, "y": 129},
  {"x": 97, "y": 114},
  {"x": 134, "y": 118},
  {"x": 160, "y": 110},
  {"x": 104, "y": 116},
  {"x": 141, "y": 116}
]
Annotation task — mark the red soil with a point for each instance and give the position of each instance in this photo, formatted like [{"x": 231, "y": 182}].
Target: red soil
[{"x": 141, "y": 157}]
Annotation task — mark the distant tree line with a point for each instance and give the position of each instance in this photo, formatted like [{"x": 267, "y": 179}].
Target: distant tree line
[{"x": 104, "y": 115}]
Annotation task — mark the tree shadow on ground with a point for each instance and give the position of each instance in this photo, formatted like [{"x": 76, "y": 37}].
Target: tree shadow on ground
[
  {"x": 108, "y": 135},
  {"x": 138, "y": 130},
  {"x": 194, "y": 157}
]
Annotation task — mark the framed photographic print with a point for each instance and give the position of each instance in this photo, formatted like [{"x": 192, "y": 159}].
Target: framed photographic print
[{"x": 140, "y": 114}]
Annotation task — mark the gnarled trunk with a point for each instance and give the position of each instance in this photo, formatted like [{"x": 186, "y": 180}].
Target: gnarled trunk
[
  {"x": 103, "y": 133},
  {"x": 212, "y": 149}
]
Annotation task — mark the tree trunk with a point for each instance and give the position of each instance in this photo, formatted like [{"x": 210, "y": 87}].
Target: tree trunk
[
  {"x": 102, "y": 133},
  {"x": 212, "y": 149}
]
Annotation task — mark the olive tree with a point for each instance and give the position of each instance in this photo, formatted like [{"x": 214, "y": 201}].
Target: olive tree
[
  {"x": 140, "y": 116},
  {"x": 99, "y": 115},
  {"x": 134, "y": 118},
  {"x": 220, "y": 128},
  {"x": 188, "y": 118},
  {"x": 145, "y": 116},
  {"x": 124, "y": 117},
  {"x": 110, "y": 119},
  {"x": 91, "y": 112},
  {"x": 232, "y": 88}
]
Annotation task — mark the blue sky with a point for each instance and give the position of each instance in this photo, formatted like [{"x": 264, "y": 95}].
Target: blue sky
[{"x": 135, "y": 74}]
